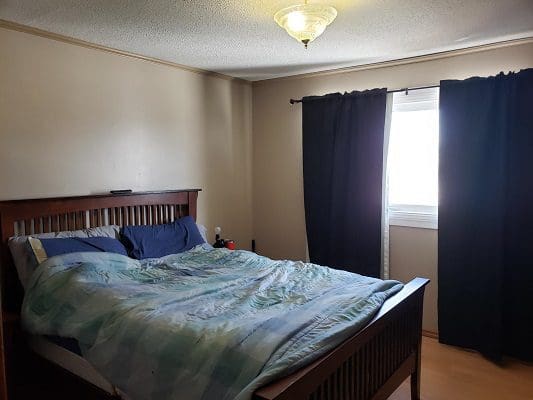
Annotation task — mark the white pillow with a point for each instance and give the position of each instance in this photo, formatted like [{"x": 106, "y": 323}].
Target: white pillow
[
  {"x": 25, "y": 260},
  {"x": 203, "y": 231}
]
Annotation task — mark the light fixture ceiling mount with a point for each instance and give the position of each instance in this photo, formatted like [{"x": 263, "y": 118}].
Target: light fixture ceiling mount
[{"x": 305, "y": 22}]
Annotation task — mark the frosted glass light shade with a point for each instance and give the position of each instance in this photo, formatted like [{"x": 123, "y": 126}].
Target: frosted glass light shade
[{"x": 305, "y": 22}]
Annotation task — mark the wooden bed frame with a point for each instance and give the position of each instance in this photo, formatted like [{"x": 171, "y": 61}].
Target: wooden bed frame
[{"x": 368, "y": 366}]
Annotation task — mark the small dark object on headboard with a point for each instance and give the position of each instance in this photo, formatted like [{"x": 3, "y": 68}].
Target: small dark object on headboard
[{"x": 122, "y": 191}]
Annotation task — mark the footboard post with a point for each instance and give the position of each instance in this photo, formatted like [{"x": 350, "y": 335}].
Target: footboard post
[
  {"x": 415, "y": 376},
  {"x": 415, "y": 379}
]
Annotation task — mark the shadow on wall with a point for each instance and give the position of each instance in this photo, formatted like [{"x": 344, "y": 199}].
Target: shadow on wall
[{"x": 226, "y": 200}]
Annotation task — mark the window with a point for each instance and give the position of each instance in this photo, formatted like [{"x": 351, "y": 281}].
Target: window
[{"x": 413, "y": 159}]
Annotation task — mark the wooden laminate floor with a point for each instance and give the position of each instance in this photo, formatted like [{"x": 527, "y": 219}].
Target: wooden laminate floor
[{"x": 450, "y": 373}]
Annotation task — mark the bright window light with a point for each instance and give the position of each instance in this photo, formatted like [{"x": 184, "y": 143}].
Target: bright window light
[{"x": 413, "y": 157}]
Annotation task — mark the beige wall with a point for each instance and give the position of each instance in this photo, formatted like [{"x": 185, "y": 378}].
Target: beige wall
[
  {"x": 279, "y": 225},
  {"x": 413, "y": 252},
  {"x": 76, "y": 121}
]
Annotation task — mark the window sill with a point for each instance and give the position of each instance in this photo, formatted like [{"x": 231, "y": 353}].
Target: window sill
[{"x": 413, "y": 219}]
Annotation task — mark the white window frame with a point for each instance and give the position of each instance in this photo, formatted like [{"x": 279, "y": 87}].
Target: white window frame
[
  {"x": 409, "y": 215},
  {"x": 414, "y": 216}
]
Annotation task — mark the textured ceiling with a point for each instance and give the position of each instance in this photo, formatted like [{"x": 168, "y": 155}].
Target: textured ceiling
[{"x": 241, "y": 39}]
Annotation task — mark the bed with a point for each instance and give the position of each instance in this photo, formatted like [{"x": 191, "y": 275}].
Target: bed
[{"x": 371, "y": 364}]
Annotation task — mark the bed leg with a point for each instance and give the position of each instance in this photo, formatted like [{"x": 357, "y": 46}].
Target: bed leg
[
  {"x": 415, "y": 376},
  {"x": 415, "y": 385}
]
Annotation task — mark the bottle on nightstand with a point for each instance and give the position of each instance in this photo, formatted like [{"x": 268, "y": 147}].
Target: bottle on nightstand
[{"x": 219, "y": 243}]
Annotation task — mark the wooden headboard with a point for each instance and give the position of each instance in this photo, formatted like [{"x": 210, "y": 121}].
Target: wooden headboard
[{"x": 27, "y": 217}]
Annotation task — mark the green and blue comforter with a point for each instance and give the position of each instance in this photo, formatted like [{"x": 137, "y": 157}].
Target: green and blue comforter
[{"x": 203, "y": 324}]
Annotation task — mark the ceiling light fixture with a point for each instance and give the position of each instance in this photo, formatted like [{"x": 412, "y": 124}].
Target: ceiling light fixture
[{"x": 305, "y": 22}]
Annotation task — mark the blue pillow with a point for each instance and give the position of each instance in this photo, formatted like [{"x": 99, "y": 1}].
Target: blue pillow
[
  {"x": 154, "y": 241},
  {"x": 57, "y": 246}
]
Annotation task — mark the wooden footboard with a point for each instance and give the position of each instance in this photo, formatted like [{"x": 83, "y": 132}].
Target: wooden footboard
[{"x": 371, "y": 364}]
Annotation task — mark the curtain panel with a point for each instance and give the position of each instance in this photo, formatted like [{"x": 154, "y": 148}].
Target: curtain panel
[
  {"x": 343, "y": 169},
  {"x": 486, "y": 214}
]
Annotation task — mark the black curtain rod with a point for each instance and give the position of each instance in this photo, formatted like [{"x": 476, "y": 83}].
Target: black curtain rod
[{"x": 406, "y": 90}]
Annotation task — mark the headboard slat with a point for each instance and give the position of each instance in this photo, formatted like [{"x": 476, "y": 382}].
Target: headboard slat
[
  {"x": 166, "y": 210},
  {"x": 27, "y": 227},
  {"x": 92, "y": 218},
  {"x": 153, "y": 219},
  {"x": 138, "y": 220},
  {"x": 80, "y": 217},
  {"x": 45, "y": 224},
  {"x": 71, "y": 221},
  {"x": 55, "y": 223}
]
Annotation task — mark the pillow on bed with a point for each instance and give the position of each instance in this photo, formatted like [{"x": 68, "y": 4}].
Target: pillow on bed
[
  {"x": 46, "y": 248},
  {"x": 203, "y": 231},
  {"x": 153, "y": 241},
  {"x": 24, "y": 258}
]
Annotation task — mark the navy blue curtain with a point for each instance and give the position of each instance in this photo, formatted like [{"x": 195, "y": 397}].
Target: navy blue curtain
[
  {"x": 343, "y": 167},
  {"x": 486, "y": 214}
]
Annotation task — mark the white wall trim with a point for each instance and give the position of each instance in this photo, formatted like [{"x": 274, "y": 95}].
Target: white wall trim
[
  {"x": 14, "y": 26},
  {"x": 403, "y": 61}
]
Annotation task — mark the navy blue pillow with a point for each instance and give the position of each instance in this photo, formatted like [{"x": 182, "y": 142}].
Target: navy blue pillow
[
  {"x": 153, "y": 241},
  {"x": 56, "y": 246}
]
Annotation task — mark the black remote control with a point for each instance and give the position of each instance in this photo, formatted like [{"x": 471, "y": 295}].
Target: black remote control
[{"x": 123, "y": 191}]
